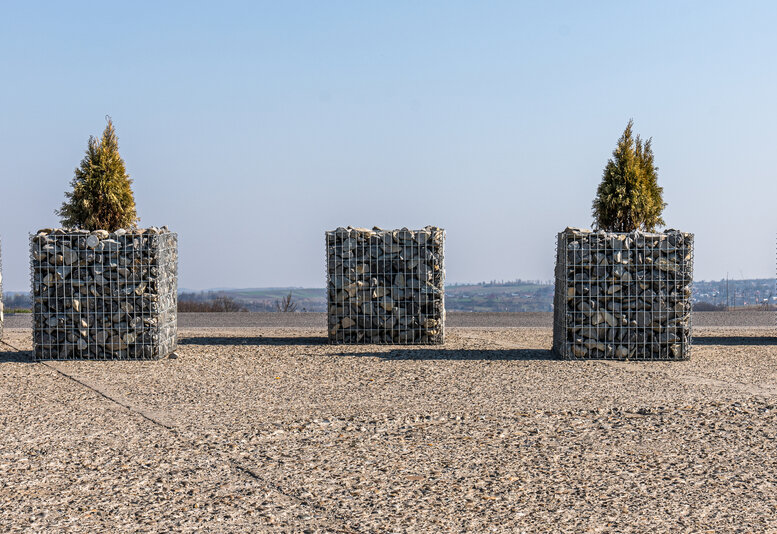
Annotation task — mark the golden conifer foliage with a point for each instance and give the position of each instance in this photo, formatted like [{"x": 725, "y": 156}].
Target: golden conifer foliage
[
  {"x": 101, "y": 198},
  {"x": 629, "y": 197}
]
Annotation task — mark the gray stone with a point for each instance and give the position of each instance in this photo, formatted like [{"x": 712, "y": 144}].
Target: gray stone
[
  {"x": 579, "y": 351},
  {"x": 101, "y": 295},
  {"x": 634, "y": 288},
  {"x": 388, "y": 283}
]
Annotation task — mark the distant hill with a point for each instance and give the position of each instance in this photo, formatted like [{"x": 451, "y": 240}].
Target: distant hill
[
  {"x": 752, "y": 292},
  {"x": 507, "y": 296},
  {"x": 510, "y": 296},
  {"x": 514, "y": 296},
  {"x": 264, "y": 298}
]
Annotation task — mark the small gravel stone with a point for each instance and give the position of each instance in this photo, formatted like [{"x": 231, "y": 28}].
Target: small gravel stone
[{"x": 273, "y": 430}]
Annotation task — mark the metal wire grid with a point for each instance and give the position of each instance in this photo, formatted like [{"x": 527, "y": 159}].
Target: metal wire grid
[
  {"x": 386, "y": 286},
  {"x": 623, "y": 296},
  {"x": 2, "y": 309},
  {"x": 111, "y": 298}
]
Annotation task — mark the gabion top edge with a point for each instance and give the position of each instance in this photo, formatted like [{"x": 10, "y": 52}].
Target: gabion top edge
[
  {"x": 375, "y": 230},
  {"x": 570, "y": 230},
  {"x": 102, "y": 234}
]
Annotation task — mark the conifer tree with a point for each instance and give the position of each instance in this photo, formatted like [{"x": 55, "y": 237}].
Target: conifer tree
[
  {"x": 629, "y": 197},
  {"x": 101, "y": 196}
]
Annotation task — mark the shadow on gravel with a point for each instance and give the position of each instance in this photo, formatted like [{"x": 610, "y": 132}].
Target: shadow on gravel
[
  {"x": 253, "y": 340},
  {"x": 16, "y": 356},
  {"x": 426, "y": 353},
  {"x": 734, "y": 340}
]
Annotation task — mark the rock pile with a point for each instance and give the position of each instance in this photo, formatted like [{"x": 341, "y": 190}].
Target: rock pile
[
  {"x": 623, "y": 296},
  {"x": 386, "y": 286},
  {"x": 101, "y": 295}
]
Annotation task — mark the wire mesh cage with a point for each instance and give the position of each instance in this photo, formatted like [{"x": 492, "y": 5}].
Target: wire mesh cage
[
  {"x": 623, "y": 295},
  {"x": 386, "y": 286},
  {"x": 104, "y": 296},
  {"x": 2, "y": 310}
]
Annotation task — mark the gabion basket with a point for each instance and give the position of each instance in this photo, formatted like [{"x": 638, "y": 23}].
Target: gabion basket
[
  {"x": 623, "y": 296},
  {"x": 386, "y": 286},
  {"x": 104, "y": 296},
  {"x": 2, "y": 316}
]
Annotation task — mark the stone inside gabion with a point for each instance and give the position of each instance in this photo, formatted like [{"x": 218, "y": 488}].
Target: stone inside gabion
[
  {"x": 623, "y": 296},
  {"x": 386, "y": 286},
  {"x": 101, "y": 295}
]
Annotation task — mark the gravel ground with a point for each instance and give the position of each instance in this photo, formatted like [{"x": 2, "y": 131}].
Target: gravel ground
[
  {"x": 270, "y": 430},
  {"x": 453, "y": 319}
]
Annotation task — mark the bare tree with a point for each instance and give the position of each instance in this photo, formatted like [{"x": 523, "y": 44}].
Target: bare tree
[
  {"x": 286, "y": 304},
  {"x": 228, "y": 304}
]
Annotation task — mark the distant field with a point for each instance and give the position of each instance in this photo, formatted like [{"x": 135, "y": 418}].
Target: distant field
[
  {"x": 488, "y": 297},
  {"x": 453, "y": 319},
  {"x": 493, "y": 297},
  {"x": 516, "y": 296},
  {"x": 310, "y": 299},
  {"x": 309, "y": 293},
  {"x": 519, "y": 297}
]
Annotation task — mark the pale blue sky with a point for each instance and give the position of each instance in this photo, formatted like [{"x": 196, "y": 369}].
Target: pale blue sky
[{"x": 252, "y": 127}]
